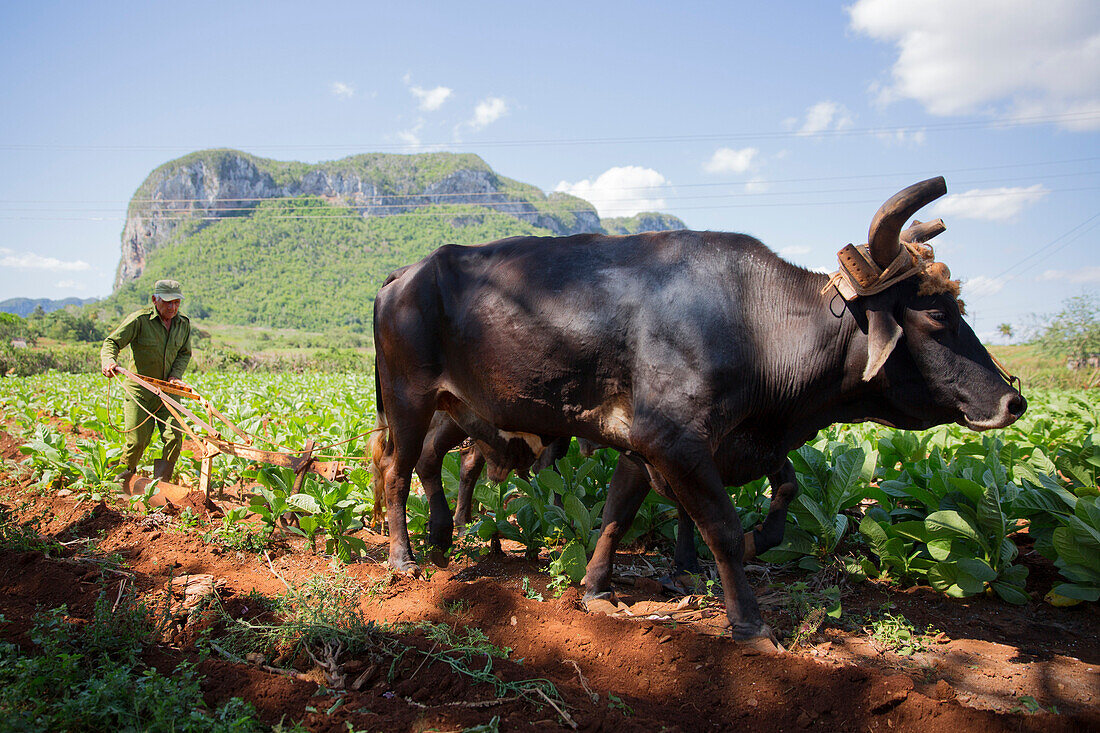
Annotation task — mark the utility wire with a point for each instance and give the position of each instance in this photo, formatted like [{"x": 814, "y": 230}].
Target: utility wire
[
  {"x": 708, "y": 184},
  {"x": 1084, "y": 116},
  {"x": 217, "y": 209}
]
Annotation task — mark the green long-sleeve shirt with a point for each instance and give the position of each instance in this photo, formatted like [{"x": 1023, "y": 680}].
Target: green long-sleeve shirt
[{"x": 158, "y": 352}]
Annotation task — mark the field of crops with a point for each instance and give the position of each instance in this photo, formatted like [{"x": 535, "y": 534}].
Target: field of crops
[
  {"x": 934, "y": 508},
  {"x": 947, "y": 510}
]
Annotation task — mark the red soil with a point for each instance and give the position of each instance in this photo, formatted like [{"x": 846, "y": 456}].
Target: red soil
[{"x": 613, "y": 673}]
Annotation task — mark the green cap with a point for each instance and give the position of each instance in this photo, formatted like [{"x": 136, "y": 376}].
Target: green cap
[{"x": 168, "y": 290}]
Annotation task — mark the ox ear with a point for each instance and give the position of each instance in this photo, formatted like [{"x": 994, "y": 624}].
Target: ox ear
[{"x": 883, "y": 333}]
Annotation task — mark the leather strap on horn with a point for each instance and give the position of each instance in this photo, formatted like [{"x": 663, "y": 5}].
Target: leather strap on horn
[{"x": 860, "y": 276}]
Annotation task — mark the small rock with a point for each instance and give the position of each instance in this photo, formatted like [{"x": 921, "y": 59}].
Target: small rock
[
  {"x": 65, "y": 492},
  {"x": 514, "y": 621},
  {"x": 254, "y": 658},
  {"x": 804, "y": 721}
]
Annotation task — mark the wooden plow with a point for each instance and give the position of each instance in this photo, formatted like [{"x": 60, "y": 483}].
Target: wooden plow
[{"x": 214, "y": 444}]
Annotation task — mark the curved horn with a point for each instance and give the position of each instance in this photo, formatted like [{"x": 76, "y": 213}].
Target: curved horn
[
  {"x": 922, "y": 232},
  {"x": 883, "y": 238}
]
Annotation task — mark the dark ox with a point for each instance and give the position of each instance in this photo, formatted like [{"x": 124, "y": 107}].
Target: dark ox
[{"x": 702, "y": 356}]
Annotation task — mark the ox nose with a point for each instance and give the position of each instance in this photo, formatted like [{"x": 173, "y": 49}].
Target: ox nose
[{"x": 1015, "y": 404}]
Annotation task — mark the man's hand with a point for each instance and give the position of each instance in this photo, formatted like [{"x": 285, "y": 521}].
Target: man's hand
[
  {"x": 110, "y": 370},
  {"x": 179, "y": 382}
]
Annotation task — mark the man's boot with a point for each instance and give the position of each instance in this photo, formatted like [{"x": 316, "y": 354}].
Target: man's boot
[
  {"x": 125, "y": 478},
  {"x": 163, "y": 469}
]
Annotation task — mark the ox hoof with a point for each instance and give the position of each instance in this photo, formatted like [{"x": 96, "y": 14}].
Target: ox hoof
[
  {"x": 439, "y": 557},
  {"x": 756, "y": 637},
  {"x": 405, "y": 567},
  {"x": 605, "y": 603}
]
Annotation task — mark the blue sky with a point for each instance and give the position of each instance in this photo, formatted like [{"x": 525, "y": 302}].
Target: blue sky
[{"x": 790, "y": 121}]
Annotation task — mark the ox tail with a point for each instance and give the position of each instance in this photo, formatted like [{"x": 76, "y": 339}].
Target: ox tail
[{"x": 377, "y": 448}]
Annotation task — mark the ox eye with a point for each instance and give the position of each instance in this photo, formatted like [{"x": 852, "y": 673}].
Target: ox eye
[{"x": 938, "y": 316}]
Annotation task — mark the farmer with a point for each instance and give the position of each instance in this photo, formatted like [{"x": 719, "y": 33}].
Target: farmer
[{"x": 160, "y": 339}]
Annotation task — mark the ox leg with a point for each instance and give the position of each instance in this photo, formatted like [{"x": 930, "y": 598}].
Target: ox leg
[
  {"x": 443, "y": 435},
  {"x": 695, "y": 481},
  {"x": 473, "y": 461},
  {"x": 770, "y": 533},
  {"x": 625, "y": 494},
  {"x": 404, "y": 447},
  {"x": 685, "y": 559}
]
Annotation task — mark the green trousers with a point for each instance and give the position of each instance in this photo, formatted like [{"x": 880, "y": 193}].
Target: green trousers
[{"x": 140, "y": 427}]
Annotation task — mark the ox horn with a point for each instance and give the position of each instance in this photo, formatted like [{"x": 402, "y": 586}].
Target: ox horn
[
  {"x": 884, "y": 238},
  {"x": 921, "y": 232}
]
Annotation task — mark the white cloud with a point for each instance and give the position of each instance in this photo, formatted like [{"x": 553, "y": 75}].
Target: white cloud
[
  {"x": 728, "y": 160},
  {"x": 981, "y": 285},
  {"x": 69, "y": 285},
  {"x": 342, "y": 90},
  {"x": 411, "y": 137},
  {"x": 488, "y": 111},
  {"x": 756, "y": 185},
  {"x": 1090, "y": 274},
  {"x": 1005, "y": 57},
  {"x": 822, "y": 117},
  {"x": 431, "y": 99},
  {"x": 621, "y": 191},
  {"x": 32, "y": 261},
  {"x": 991, "y": 204},
  {"x": 794, "y": 251},
  {"x": 902, "y": 137}
]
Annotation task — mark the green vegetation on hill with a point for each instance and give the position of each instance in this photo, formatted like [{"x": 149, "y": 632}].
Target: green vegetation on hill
[
  {"x": 646, "y": 221},
  {"x": 303, "y": 263}
]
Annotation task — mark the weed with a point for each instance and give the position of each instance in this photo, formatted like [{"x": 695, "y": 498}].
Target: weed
[
  {"x": 1029, "y": 704},
  {"x": 614, "y": 702},
  {"x": 894, "y": 632},
  {"x": 90, "y": 677},
  {"x": 18, "y": 536},
  {"x": 238, "y": 536},
  {"x": 188, "y": 520},
  {"x": 529, "y": 592},
  {"x": 457, "y": 608}
]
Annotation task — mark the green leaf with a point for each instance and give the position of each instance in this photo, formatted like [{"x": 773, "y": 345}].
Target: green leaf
[
  {"x": 943, "y": 576},
  {"x": 977, "y": 569},
  {"x": 1080, "y": 592},
  {"x": 875, "y": 534},
  {"x": 950, "y": 522},
  {"x": 550, "y": 479},
  {"x": 972, "y": 490},
  {"x": 844, "y": 478},
  {"x": 571, "y": 562},
  {"x": 990, "y": 517},
  {"x": 1011, "y": 593},
  {"x": 578, "y": 514},
  {"x": 305, "y": 503}
]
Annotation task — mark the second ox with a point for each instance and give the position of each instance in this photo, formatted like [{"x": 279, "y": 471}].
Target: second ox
[{"x": 702, "y": 356}]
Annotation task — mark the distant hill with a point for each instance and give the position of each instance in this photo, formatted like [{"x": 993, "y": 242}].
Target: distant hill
[
  {"x": 25, "y": 306},
  {"x": 287, "y": 244}
]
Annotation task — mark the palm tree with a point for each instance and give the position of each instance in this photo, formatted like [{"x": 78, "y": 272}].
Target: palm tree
[{"x": 1005, "y": 330}]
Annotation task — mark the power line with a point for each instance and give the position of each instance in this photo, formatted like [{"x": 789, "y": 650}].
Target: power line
[
  {"x": 217, "y": 209},
  {"x": 1084, "y": 116}
]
